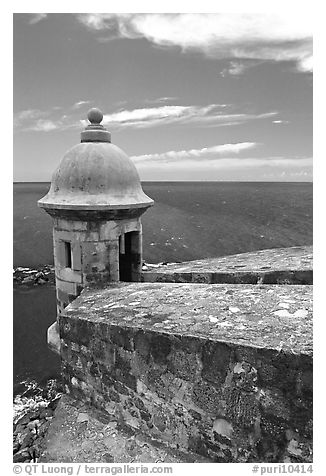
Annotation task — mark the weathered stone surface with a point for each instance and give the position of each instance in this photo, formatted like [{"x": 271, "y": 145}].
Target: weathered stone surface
[
  {"x": 213, "y": 369},
  {"x": 53, "y": 338},
  {"x": 275, "y": 266},
  {"x": 93, "y": 257},
  {"x": 102, "y": 440},
  {"x": 95, "y": 176},
  {"x": 245, "y": 315}
]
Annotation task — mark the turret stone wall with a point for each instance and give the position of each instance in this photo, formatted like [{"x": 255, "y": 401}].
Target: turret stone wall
[{"x": 97, "y": 251}]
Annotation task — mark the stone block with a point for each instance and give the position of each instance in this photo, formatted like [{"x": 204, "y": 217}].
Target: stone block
[
  {"x": 109, "y": 230},
  {"x": 184, "y": 365},
  {"x": 100, "y": 261},
  {"x": 127, "y": 226},
  {"x": 122, "y": 338},
  {"x": 68, "y": 274},
  {"x": 53, "y": 338},
  {"x": 216, "y": 358},
  {"x": 66, "y": 287},
  {"x": 62, "y": 224},
  {"x": 197, "y": 366},
  {"x": 160, "y": 348}
]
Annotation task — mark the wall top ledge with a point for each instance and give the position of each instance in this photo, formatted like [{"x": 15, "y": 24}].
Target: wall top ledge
[
  {"x": 296, "y": 258},
  {"x": 275, "y": 317}
]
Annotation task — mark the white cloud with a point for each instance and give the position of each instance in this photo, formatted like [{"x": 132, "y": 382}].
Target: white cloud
[
  {"x": 306, "y": 64},
  {"x": 28, "y": 114},
  {"x": 213, "y": 114},
  {"x": 43, "y": 121},
  {"x": 235, "y": 69},
  {"x": 305, "y": 175},
  {"x": 207, "y": 153},
  {"x": 44, "y": 125},
  {"x": 37, "y": 17},
  {"x": 161, "y": 100},
  {"x": 273, "y": 37},
  {"x": 138, "y": 116},
  {"x": 29, "y": 117},
  {"x": 79, "y": 104},
  {"x": 202, "y": 161}
]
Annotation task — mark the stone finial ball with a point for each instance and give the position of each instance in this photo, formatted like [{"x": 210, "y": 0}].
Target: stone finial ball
[{"x": 95, "y": 116}]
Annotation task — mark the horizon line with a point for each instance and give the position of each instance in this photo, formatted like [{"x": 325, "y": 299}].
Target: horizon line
[{"x": 191, "y": 181}]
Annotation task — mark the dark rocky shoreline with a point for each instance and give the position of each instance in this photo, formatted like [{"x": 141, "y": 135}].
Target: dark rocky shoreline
[
  {"x": 32, "y": 422},
  {"x": 46, "y": 275},
  {"x": 31, "y": 276},
  {"x": 34, "y": 404}
]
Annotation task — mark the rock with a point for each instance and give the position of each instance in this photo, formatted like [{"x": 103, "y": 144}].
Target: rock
[
  {"x": 301, "y": 313},
  {"x": 30, "y": 393},
  {"x": 234, "y": 309},
  {"x": 33, "y": 426},
  {"x": 131, "y": 447},
  {"x": 47, "y": 412},
  {"x": 19, "y": 428},
  {"x": 42, "y": 429},
  {"x": 53, "y": 404},
  {"x": 16, "y": 446},
  {"x": 112, "y": 424},
  {"x": 81, "y": 428},
  {"x": 223, "y": 427},
  {"x": 35, "y": 415},
  {"x": 82, "y": 417},
  {"x": 22, "y": 456},
  {"x": 282, "y": 313},
  {"x": 27, "y": 441},
  {"x": 293, "y": 448},
  {"x": 34, "y": 453},
  {"x": 23, "y": 420},
  {"x": 34, "y": 276},
  {"x": 20, "y": 437},
  {"x": 108, "y": 458}
]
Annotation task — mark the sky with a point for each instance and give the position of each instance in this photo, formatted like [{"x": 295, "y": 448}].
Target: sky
[{"x": 187, "y": 96}]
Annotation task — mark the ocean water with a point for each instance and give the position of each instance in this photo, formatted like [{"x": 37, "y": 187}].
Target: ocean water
[
  {"x": 190, "y": 220},
  {"x": 34, "y": 311}
]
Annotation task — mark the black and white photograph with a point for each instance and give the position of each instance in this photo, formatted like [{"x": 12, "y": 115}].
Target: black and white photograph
[{"x": 162, "y": 241}]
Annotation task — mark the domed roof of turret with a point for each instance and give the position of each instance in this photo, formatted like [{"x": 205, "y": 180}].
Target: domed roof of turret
[{"x": 95, "y": 175}]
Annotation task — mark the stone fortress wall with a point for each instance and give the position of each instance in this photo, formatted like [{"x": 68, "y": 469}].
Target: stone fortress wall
[{"x": 219, "y": 370}]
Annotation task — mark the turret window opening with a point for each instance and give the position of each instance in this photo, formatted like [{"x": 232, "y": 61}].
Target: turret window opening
[{"x": 68, "y": 254}]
